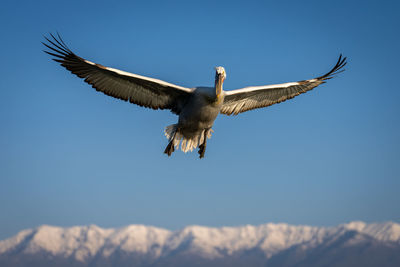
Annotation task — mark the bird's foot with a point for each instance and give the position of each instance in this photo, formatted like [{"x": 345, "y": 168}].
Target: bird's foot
[
  {"x": 202, "y": 147},
  {"x": 202, "y": 150},
  {"x": 169, "y": 149}
]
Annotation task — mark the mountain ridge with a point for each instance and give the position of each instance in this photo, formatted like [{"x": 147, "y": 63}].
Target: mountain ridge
[{"x": 148, "y": 245}]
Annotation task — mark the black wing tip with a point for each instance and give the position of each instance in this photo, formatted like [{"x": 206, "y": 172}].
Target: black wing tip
[
  {"x": 57, "y": 45},
  {"x": 338, "y": 68}
]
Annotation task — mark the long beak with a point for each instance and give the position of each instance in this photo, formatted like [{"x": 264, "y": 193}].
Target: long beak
[
  {"x": 221, "y": 78},
  {"x": 218, "y": 83}
]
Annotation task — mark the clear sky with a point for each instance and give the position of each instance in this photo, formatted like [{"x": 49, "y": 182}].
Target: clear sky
[{"x": 72, "y": 156}]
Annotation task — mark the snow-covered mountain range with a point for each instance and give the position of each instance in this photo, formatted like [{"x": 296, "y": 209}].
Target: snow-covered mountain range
[{"x": 351, "y": 244}]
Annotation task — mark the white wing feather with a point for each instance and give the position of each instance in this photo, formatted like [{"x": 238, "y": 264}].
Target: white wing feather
[{"x": 241, "y": 100}]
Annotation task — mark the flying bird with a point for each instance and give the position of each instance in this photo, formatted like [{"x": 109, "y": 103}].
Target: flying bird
[{"x": 196, "y": 107}]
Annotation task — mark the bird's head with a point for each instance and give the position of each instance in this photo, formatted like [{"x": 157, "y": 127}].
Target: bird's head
[{"x": 220, "y": 74}]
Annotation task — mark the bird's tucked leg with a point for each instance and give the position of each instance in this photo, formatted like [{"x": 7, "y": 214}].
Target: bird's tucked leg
[
  {"x": 170, "y": 147},
  {"x": 202, "y": 147}
]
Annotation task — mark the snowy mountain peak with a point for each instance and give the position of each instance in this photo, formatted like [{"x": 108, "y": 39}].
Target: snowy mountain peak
[
  {"x": 84, "y": 243},
  {"x": 388, "y": 231},
  {"x": 356, "y": 225}
]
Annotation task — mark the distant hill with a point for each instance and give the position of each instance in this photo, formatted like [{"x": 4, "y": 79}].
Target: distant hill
[{"x": 352, "y": 244}]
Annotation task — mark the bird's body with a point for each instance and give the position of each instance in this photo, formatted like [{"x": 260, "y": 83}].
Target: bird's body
[
  {"x": 197, "y": 107},
  {"x": 200, "y": 111},
  {"x": 195, "y": 120}
]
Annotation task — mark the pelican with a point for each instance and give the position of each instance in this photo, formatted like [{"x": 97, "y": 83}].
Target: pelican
[{"x": 196, "y": 107}]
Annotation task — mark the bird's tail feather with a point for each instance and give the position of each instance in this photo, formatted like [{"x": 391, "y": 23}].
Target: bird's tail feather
[{"x": 187, "y": 144}]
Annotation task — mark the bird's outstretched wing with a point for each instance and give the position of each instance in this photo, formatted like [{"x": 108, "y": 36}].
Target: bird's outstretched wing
[
  {"x": 140, "y": 90},
  {"x": 241, "y": 100}
]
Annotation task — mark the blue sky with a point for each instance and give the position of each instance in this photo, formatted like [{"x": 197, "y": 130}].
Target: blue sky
[{"x": 72, "y": 156}]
